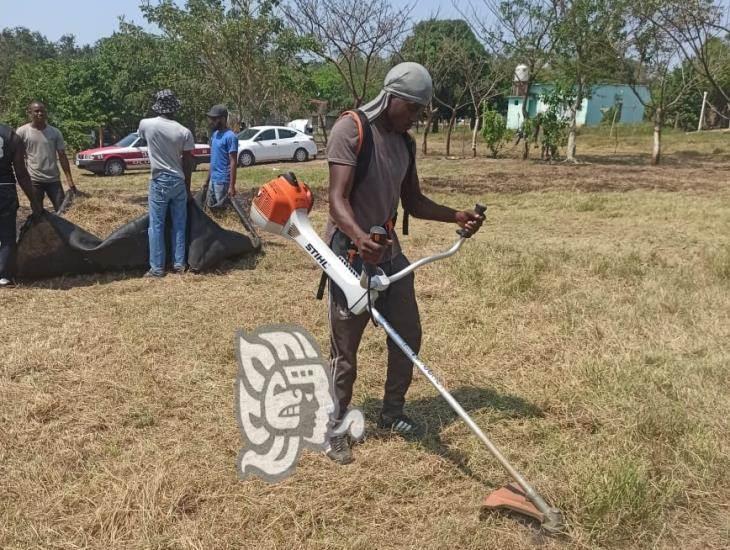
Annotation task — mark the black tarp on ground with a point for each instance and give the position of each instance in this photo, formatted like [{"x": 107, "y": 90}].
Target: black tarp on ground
[{"x": 51, "y": 246}]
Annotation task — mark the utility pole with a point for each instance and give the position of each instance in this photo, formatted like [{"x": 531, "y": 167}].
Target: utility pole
[{"x": 702, "y": 112}]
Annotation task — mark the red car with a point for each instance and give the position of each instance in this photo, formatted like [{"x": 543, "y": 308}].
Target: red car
[{"x": 128, "y": 153}]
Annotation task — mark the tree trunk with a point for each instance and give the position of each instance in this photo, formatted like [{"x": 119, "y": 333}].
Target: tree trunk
[
  {"x": 448, "y": 132},
  {"x": 573, "y": 129},
  {"x": 613, "y": 122},
  {"x": 323, "y": 125},
  {"x": 525, "y": 97},
  {"x": 474, "y": 133},
  {"x": 656, "y": 154},
  {"x": 427, "y": 129},
  {"x": 570, "y": 152}
]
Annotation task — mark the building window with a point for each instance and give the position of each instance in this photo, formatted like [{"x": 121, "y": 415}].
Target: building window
[{"x": 517, "y": 101}]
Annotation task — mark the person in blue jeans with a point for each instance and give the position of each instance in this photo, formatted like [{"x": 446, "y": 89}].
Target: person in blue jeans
[
  {"x": 169, "y": 146},
  {"x": 221, "y": 180}
]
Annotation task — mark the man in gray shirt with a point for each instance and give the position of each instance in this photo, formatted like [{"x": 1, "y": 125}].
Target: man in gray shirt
[
  {"x": 365, "y": 190},
  {"x": 170, "y": 147},
  {"x": 43, "y": 145}
]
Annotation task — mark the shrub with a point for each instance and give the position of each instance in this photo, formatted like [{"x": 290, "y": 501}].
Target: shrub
[{"x": 494, "y": 131}]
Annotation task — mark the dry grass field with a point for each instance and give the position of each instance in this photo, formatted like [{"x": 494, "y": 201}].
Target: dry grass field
[{"x": 586, "y": 328}]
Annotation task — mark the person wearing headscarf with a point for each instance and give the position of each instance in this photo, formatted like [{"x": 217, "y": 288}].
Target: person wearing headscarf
[
  {"x": 372, "y": 168},
  {"x": 170, "y": 147}
]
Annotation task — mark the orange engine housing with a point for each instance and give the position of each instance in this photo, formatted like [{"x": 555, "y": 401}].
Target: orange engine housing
[{"x": 277, "y": 199}]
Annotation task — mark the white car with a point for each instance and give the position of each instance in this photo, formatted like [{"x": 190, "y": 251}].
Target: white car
[{"x": 267, "y": 143}]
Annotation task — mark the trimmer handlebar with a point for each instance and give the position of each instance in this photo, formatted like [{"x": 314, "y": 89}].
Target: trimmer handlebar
[{"x": 377, "y": 280}]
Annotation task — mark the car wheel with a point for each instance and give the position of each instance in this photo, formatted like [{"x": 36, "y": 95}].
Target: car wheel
[
  {"x": 301, "y": 155},
  {"x": 114, "y": 167},
  {"x": 246, "y": 158}
]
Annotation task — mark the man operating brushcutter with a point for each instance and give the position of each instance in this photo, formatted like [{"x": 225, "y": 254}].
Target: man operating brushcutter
[{"x": 371, "y": 168}]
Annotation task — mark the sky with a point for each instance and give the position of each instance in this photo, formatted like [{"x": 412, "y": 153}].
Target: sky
[{"x": 90, "y": 20}]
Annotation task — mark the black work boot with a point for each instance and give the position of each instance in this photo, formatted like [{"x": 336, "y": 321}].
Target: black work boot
[
  {"x": 400, "y": 425},
  {"x": 339, "y": 449}
]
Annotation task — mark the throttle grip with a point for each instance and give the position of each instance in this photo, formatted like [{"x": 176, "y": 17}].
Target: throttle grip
[
  {"x": 379, "y": 235},
  {"x": 479, "y": 209}
]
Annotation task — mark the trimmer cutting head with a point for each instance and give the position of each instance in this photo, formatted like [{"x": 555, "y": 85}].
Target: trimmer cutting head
[{"x": 511, "y": 498}]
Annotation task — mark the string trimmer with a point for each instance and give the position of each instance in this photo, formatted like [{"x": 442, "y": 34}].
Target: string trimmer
[{"x": 282, "y": 207}]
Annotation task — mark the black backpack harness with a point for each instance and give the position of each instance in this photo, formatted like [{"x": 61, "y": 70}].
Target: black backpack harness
[{"x": 364, "y": 151}]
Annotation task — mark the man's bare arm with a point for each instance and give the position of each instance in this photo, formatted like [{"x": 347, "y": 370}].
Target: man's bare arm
[
  {"x": 66, "y": 169},
  {"x": 233, "y": 164},
  {"x": 420, "y": 206},
  {"x": 188, "y": 168}
]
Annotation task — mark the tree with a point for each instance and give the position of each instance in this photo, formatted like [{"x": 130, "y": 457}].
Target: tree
[
  {"x": 521, "y": 30},
  {"x": 241, "y": 48},
  {"x": 110, "y": 85},
  {"x": 20, "y": 45},
  {"x": 458, "y": 63},
  {"x": 131, "y": 65},
  {"x": 696, "y": 28},
  {"x": 66, "y": 87},
  {"x": 585, "y": 37},
  {"x": 352, "y": 35},
  {"x": 423, "y": 46},
  {"x": 484, "y": 75},
  {"x": 327, "y": 85},
  {"x": 650, "y": 56}
]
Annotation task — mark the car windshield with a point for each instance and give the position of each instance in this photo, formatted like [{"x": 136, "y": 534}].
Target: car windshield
[
  {"x": 127, "y": 141},
  {"x": 249, "y": 133}
]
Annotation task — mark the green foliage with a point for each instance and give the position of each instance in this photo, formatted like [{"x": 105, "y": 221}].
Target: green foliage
[
  {"x": 585, "y": 39},
  {"x": 66, "y": 88},
  {"x": 111, "y": 86},
  {"x": 327, "y": 85},
  {"x": 322, "y": 81},
  {"x": 243, "y": 50},
  {"x": 551, "y": 125},
  {"x": 447, "y": 49},
  {"x": 20, "y": 45},
  {"x": 494, "y": 131},
  {"x": 608, "y": 114}
]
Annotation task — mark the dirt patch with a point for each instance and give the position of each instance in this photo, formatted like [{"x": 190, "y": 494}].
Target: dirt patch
[{"x": 537, "y": 177}]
